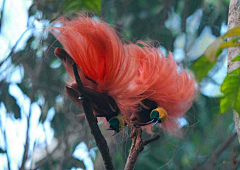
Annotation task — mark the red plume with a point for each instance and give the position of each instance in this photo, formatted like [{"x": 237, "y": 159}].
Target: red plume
[{"x": 126, "y": 72}]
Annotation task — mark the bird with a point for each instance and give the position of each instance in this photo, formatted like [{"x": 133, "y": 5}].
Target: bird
[
  {"x": 131, "y": 80},
  {"x": 102, "y": 104}
]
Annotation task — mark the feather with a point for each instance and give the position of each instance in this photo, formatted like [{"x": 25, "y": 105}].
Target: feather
[{"x": 127, "y": 73}]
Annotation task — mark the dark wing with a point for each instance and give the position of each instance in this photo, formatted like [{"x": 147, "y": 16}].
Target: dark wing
[{"x": 142, "y": 116}]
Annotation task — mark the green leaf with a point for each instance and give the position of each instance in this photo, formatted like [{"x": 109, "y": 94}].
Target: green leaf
[
  {"x": 204, "y": 64},
  {"x": 201, "y": 67},
  {"x": 156, "y": 9},
  {"x": 71, "y": 6},
  {"x": 226, "y": 103},
  {"x": 231, "y": 89},
  {"x": 237, "y": 58},
  {"x": 235, "y": 39},
  {"x": 212, "y": 50},
  {"x": 229, "y": 44},
  {"x": 232, "y": 32},
  {"x": 140, "y": 45}
]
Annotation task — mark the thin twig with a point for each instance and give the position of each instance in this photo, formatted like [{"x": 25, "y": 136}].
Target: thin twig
[
  {"x": 65, "y": 153},
  {"x": 1, "y": 17},
  {"x": 31, "y": 96},
  {"x": 212, "y": 161},
  {"x": 137, "y": 144},
  {"x": 15, "y": 46},
  {"x": 3, "y": 130},
  {"x": 68, "y": 133},
  {"x": 6, "y": 149},
  {"x": 26, "y": 146},
  {"x": 50, "y": 162},
  {"x": 92, "y": 121}
]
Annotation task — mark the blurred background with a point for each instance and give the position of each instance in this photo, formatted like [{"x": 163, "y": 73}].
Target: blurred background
[{"x": 40, "y": 128}]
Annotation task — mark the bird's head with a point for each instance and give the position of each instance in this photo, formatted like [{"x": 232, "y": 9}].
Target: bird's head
[
  {"x": 116, "y": 123},
  {"x": 159, "y": 114}
]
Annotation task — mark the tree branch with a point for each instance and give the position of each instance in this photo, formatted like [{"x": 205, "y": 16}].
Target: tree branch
[
  {"x": 212, "y": 161},
  {"x": 92, "y": 121},
  {"x": 233, "y": 21},
  {"x": 137, "y": 144},
  {"x": 1, "y": 15},
  {"x": 26, "y": 146},
  {"x": 6, "y": 149},
  {"x": 14, "y": 47},
  {"x": 49, "y": 155},
  {"x": 50, "y": 162},
  {"x": 31, "y": 96}
]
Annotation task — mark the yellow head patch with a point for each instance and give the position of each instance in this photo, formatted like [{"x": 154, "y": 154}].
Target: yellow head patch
[
  {"x": 117, "y": 123},
  {"x": 159, "y": 113}
]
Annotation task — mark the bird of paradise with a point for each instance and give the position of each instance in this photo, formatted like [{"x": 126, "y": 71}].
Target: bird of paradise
[{"x": 136, "y": 81}]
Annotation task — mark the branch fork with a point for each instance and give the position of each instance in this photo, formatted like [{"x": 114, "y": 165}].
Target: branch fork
[
  {"x": 137, "y": 144},
  {"x": 136, "y": 132}
]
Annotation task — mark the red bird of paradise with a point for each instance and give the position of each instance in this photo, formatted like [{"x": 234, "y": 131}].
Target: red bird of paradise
[{"x": 136, "y": 81}]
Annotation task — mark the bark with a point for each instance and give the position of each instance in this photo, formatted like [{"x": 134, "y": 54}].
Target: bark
[
  {"x": 234, "y": 21},
  {"x": 137, "y": 144},
  {"x": 92, "y": 121}
]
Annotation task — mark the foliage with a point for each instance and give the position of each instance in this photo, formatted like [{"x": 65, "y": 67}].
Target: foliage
[
  {"x": 231, "y": 85},
  {"x": 90, "y": 5},
  {"x": 209, "y": 58},
  {"x": 231, "y": 89}
]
